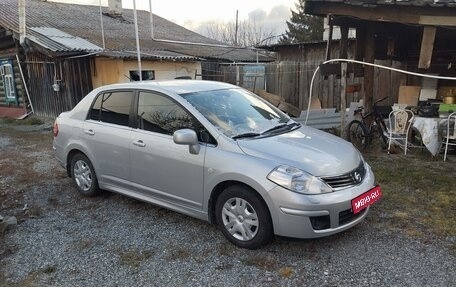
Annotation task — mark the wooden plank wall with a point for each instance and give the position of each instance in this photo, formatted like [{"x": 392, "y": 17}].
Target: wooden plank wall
[
  {"x": 74, "y": 79},
  {"x": 292, "y": 80},
  {"x": 290, "y": 77}
]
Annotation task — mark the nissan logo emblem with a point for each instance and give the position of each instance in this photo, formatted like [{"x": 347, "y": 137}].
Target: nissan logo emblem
[{"x": 357, "y": 176}]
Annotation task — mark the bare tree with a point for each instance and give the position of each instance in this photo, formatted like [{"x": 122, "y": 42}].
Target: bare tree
[{"x": 249, "y": 33}]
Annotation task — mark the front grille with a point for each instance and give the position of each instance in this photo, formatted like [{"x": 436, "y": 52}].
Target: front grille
[
  {"x": 347, "y": 180},
  {"x": 347, "y": 216}
]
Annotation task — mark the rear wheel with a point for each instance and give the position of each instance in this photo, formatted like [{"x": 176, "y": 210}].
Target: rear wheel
[
  {"x": 243, "y": 217},
  {"x": 378, "y": 132},
  {"x": 84, "y": 175},
  {"x": 357, "y": 135}
]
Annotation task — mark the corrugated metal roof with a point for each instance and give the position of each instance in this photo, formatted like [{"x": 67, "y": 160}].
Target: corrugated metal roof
[
  {"x": 59, "y": 41},
  {"x": 83, "y": 21},
  {"x": 149, "y": 54}
]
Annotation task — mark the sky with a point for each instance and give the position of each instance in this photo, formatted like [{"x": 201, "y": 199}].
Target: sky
[{"x": 194, "y": 15}]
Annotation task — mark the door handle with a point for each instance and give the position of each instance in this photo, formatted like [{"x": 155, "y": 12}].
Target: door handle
[
  {"x": 89, "y": 132},
  {"x": 139, "y": 143}
]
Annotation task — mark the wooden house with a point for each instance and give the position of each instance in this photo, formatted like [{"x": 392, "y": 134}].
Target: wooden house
[{"x": 56, "y": 53}]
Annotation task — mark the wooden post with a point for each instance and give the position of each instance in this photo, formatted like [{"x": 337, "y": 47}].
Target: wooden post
[
  {"x": 343, "y": 93},
  {"x": 330, "y": 35},
  {"x": 369, "y": 70},
  {"x": 360, "y": 42},
  {"x": 343, "y": 54},
  {"x": 427, "y": 46}
]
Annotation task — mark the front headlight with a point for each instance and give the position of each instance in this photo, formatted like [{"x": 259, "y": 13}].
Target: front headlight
[{"x": 296, "y": 180}]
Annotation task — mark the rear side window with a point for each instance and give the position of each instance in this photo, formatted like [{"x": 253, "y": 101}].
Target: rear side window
[
  {"x": 112, "y": 107},
  {"x": 157, "y": 113}
]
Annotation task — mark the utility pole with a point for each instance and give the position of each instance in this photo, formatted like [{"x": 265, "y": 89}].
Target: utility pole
[
  {"x": 151, "y": 21},
  {"x": 22, "y": 27},
  {"x": 102, "y": 27},
  {"x": 236, "y": 29},
  {"x": 138, "y": 49}
]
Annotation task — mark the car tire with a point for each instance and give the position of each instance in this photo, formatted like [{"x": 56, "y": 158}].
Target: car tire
[
  {"x": 243, "y": 217},
  {"x": 83, "y": 175}
]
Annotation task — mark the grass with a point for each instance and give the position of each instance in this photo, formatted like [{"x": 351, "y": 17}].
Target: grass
[
  {"x": 17, "y": 161},
  {"x": 133, "y": 258},
  {"x": 177, "y": 253},
  {"x": 261, "y": 262},
  {"x": 84, "y": 244},
  {"x": 286, "y": 272},
  {"x": 31, "y": 279},
  {"x": 419, "y": 193},
  {"x": 29, "y": 121}
]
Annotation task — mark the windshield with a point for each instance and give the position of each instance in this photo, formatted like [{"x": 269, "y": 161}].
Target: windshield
[{"x": 236, "y": 111}]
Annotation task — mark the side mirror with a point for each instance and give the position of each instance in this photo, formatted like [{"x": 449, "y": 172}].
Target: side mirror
[{"x": 187, "y": 137}]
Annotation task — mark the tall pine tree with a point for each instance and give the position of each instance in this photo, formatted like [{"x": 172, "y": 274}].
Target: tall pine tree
[{"x": 302, "y": 27}]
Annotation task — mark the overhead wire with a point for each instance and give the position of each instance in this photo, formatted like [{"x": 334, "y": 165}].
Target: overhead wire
[{"x": 372, "y": 65}]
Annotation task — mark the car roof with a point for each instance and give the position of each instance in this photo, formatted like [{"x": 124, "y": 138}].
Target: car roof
[{"x": 176, "y": 86}]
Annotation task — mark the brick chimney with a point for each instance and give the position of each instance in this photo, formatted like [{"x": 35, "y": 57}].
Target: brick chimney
[{"x": 115, "y": 7}]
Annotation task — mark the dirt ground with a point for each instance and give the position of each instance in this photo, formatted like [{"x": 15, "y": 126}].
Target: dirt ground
[
  {"x": 414, "y": 225},
  {"x": 422, "y": 188}
]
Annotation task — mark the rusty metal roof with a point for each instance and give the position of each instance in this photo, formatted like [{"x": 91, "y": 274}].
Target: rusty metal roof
[{"x": 83, "y": 22}]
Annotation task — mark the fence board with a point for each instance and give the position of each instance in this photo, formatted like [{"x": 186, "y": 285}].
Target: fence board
[
  {"x": 287, "y": 80},
  {"x": 72, "y": 75}
]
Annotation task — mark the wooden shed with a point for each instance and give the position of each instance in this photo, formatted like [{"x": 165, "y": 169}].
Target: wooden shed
[{"x": 418, "y": 34}]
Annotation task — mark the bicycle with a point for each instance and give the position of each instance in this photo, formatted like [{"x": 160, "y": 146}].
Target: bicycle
[{"x": 361, "y": 132}]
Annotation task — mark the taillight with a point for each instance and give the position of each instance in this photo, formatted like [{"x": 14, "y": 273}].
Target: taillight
[{"x": 55, "y": 129}]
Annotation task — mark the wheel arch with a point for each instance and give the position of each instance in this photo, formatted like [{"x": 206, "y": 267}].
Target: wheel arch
[
  {"x": 220, "y": 187},
  {"x": 70, "y": 156}
]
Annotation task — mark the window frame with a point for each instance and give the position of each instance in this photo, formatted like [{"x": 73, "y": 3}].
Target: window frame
[
  {"x": 142, "y": 71},
  {"x": 9, "y": 85},
  {"x": 101, "y": 94},
  {"x": 135, "y": 124}
]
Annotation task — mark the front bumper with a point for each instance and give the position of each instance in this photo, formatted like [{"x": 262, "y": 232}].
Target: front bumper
[{"x": 311, "y": 216}]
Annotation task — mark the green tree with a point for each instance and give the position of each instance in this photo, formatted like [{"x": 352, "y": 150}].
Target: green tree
[{"x": 302, "y": 27}]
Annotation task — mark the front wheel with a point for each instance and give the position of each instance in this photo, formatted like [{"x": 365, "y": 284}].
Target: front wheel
[
  {"x": 243, "y": 217},
  {"x": 357, "y": 135}
]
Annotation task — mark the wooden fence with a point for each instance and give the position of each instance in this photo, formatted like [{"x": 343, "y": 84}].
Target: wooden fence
[{"x": 292, "y": 80}]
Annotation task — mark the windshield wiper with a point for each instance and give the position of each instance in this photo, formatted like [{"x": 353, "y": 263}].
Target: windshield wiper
[
  {"x": 277, "y": 127},
  {"x": 246, "y": 135},
  {"x": 281, "y": 126}
]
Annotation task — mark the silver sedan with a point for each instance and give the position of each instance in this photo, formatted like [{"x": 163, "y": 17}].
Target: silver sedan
[{"x": 216, "y": 152}]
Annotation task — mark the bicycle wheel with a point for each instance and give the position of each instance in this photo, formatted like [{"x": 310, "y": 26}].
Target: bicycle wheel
[
  {"x": 357, "y": 135},
  {"x": 378, "y": 133}
]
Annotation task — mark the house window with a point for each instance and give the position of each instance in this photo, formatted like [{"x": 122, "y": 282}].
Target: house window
[
  {"x": 146, "y": 75},
  {"x": 7, "y": 74}
]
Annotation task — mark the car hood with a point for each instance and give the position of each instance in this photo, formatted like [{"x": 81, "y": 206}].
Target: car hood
[{"x": 314, "y": 151}]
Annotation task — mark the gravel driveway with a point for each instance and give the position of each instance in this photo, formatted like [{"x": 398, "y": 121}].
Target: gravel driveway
[{"x": 64, "y": 239}]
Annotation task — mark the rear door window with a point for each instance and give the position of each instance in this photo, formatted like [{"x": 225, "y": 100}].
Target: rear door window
[{"x": 112, "y": 107}]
